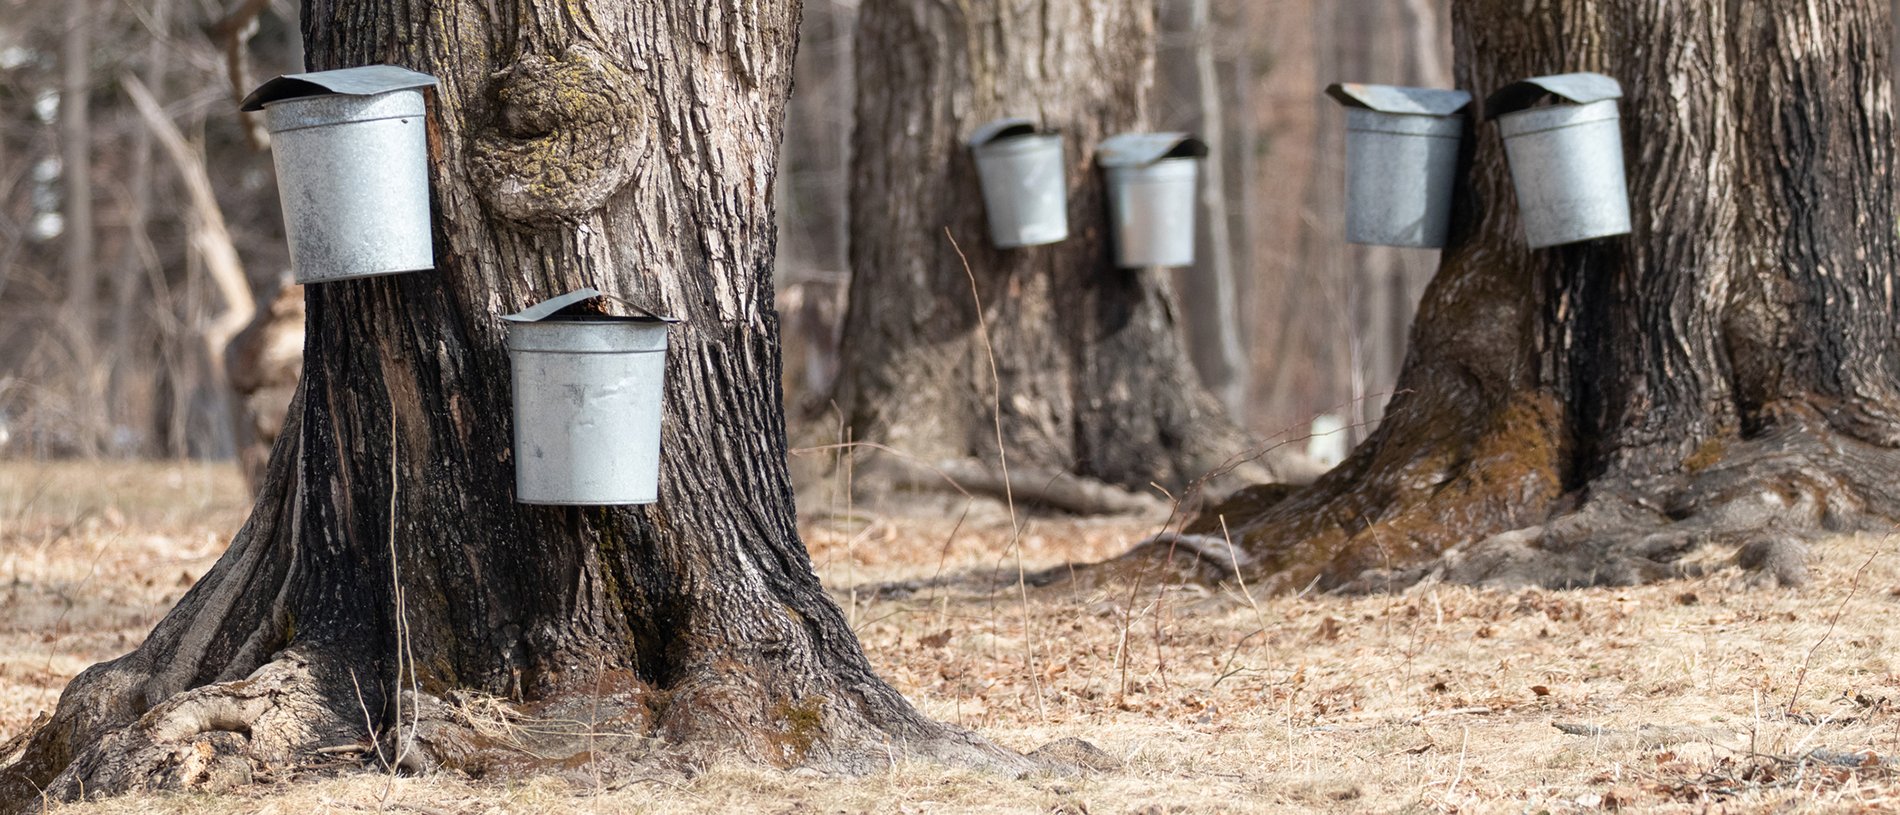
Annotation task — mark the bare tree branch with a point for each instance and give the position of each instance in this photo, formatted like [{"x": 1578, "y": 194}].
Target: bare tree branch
[
  {"x": 233, "y": 34},
  {"x": 208, "y": 233}
]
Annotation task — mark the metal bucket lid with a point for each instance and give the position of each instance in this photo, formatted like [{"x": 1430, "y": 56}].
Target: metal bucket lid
[
  {"x": 1577, "y": 89},
  {"x": 364, "y": 80},
  {"x": 1398, "y": 99},
  {"x": 542, "y": 327},
  {"x": 552, "y": 306},
  {"x": 1141, "y": 149},
  {"x": 1008, "y": 129}
]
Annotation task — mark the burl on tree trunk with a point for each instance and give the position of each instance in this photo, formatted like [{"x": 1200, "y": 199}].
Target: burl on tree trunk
[
  {"x": 387, "y": 592},
  {"x": 1091, "y": 378},
  {"x": 1593, "y": 413}
]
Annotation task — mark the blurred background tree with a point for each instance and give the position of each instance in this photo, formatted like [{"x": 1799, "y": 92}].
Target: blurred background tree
[{"x": 116, "y": 281}]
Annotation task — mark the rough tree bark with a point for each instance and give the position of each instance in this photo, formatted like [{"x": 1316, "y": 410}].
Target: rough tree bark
[
  {"x": 387, "y": 571},
  {"x": 1094, "y": 380},
  {"x": 1593, "y": 414}
]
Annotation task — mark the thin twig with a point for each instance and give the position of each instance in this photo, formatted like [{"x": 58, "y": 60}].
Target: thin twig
[
  {"x": 404, "y": 656},
  {"x": 1463, "y": 742},
  {"x": 1259, "y": 616},
  {"x": 1002, "y": 455},
  {"x": 851, "y": 541},
  {"x": 369, "y": 724},
  {"x": 1802, "y": 675}
]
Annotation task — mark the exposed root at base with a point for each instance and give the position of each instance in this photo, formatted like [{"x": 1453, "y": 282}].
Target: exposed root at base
[
  {"x": 1029, "y": 487},
  {"x": 288, "y": 719},
  {"x": 1757, "y": 508},
  {"x": 1758, "y": 505},
  {"x": 216, "y": 736}
]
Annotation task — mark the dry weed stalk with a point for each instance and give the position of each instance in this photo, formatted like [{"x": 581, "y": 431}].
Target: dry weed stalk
[
  {"x": 1009, "y": 494},
  {"x": 405, "y": 657},
  {"x": 1852, "y": 587}
]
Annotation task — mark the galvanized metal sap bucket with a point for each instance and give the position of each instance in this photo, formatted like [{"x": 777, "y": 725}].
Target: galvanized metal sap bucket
[
  {"x": 1025, "y": 192},
  {"x": 1566, "y": 158},
  {"x": 352, "y": 159},
  {"x": 587, "y": 403},
  {"x": 1401, "y": 162},
  {"x": 1151, "y": 196}
]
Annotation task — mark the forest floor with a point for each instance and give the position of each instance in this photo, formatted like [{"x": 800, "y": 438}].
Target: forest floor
[{"x": 1703, "y": 695}]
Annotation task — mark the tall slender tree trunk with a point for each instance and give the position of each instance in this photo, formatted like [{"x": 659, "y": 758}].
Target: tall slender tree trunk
[
  {"x": 627, "y": 145},
  {"x": 1211, "y": 292},
  {"x": 1333, "y": 317},
  {"x": 76, "y": 211},
  {"x": 814, "y": 224},
  {"x": 1287, "y": 388},
  {"x": 136, "y": 255},
  {"x": 1725, "y": 374},
  {"x": 1091, "y": 376}
]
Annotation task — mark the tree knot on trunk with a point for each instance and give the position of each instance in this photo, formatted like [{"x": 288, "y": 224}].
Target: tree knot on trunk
[{"x": 568, "y": 133}]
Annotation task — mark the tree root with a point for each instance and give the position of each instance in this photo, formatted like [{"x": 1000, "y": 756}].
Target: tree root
[
  {"x": 1756, "y": 507},
  {"x": 215, "y": 737},
  {"x": 289, "y": 718},
  {"x": 838, "y": 724},
  {"x": 1044, "y": 488},
  {"x": 1755, "y": 504},
  {"x": 1028, "y": 486}
]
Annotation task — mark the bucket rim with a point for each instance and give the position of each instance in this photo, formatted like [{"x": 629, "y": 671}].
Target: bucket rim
[
  {"x": 1164, "y": 170},
  {"x": 596, "y": 319},
  {"x": 338, "y": 122},
  {"x": 587, "y": 337},
  {"x": 1025, "y": 143},
  {"x": 585, "y": 503},
  {"x": 1363, "y": 120},
  {"x": 1512, "y": 125}
]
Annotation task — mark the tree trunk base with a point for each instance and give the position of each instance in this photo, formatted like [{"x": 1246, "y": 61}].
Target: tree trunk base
[
  {"x": 246, "y": 680},
  {"x": 295, "y": 717},
  {"x": 1755, "y": 504},
  {"x": 215, "y": 737}
]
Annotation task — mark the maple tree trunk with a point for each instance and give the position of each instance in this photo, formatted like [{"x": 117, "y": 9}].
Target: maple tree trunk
[
  {"x": 1595, "y": 413},
  {"x": 386, "y": 567},
  {"x": 1211, "y": 291},
  {"x": 1093, "y": 378}
]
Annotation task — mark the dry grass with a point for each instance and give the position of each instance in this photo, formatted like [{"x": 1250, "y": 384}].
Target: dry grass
[{"x": 1439, "y": 699}]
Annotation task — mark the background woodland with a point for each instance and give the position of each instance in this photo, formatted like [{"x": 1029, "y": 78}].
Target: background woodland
[{"x": 117, "y": 299}]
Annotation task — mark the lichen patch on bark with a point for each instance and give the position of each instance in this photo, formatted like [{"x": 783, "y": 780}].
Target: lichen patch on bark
[{"x": 569, "y": 130}]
